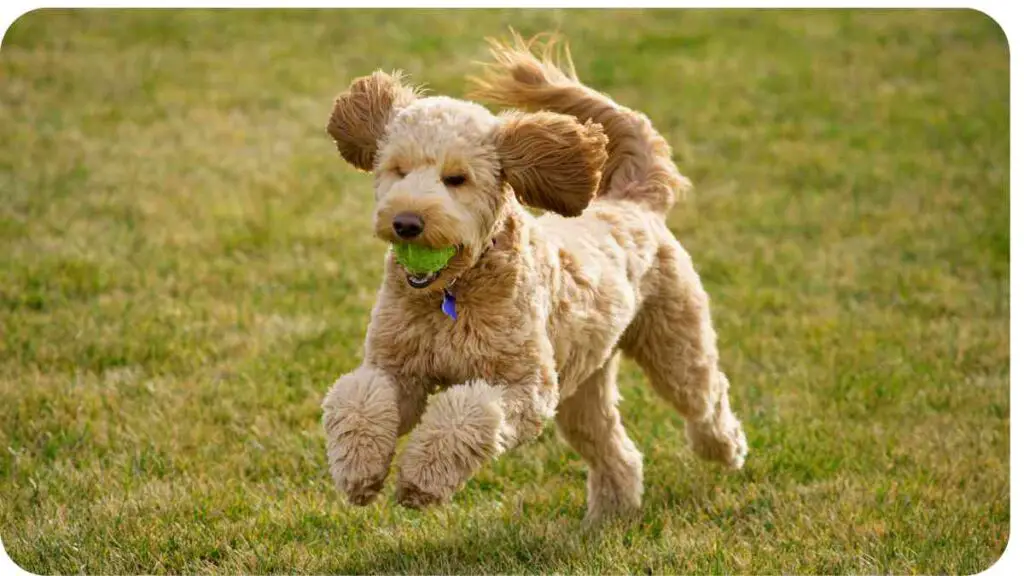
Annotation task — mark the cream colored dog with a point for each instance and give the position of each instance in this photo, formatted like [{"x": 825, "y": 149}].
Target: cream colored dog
[{"x": 542, "y": 306}]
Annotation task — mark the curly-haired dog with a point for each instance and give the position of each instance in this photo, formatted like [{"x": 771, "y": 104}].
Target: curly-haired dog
[{"x": 543, "y": 305}]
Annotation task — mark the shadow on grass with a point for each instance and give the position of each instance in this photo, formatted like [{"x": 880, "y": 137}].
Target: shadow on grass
[
  {"x": 550, "y": 541},
  {"x": 498, "y": 549}
]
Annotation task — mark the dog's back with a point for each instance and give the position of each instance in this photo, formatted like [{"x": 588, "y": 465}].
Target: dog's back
[
  {"x": 639, "y": 166},
  {"x": 620, "y": 259}
]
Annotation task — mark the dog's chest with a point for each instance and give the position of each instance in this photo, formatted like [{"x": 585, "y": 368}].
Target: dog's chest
[{"x": 489, "y": 341}]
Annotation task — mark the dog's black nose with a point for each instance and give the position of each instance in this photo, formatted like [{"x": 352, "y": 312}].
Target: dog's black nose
[{"x": 408, "y": 225}]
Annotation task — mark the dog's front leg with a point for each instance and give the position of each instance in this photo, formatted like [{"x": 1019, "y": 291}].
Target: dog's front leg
[
  {"x": 463, "y": 427},
  {"x": 364, "y": 413}
]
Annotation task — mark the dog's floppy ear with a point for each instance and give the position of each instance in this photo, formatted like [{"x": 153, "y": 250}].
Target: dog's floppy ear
[
  {"x": 362, "y": 113},
  {"x": 552, "y": 161}
]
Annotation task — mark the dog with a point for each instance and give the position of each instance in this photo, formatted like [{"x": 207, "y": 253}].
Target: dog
[{"x": 528, "y": 320}]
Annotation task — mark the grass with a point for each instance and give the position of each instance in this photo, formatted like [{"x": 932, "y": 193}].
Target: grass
[{"x": 187, "y": 266}]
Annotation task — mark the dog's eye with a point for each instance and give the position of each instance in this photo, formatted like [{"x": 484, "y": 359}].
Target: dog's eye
[
  {"x": 454, "y": 181},
  {"x": 398, "y": 172}
]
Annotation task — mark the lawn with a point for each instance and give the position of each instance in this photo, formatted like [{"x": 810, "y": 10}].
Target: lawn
[{"x": 187, "y": 266}]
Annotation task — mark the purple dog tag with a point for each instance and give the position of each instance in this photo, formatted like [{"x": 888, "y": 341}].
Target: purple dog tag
[{"x": 448, "y": 305}]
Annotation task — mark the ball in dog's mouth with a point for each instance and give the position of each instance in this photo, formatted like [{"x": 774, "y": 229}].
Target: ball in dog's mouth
[{"x": 422, "y": 264}]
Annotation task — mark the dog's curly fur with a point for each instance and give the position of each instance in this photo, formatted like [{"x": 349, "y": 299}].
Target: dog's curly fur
[{"x": 545, "y": 305}]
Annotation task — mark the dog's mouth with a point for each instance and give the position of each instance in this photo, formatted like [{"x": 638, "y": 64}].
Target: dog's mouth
[{"x": 421, "y": 280}]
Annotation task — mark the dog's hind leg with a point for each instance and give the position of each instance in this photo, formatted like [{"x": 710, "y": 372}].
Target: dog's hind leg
[
  {"x": 674, "y": 342},
  {"x": 589, "y": 421}
]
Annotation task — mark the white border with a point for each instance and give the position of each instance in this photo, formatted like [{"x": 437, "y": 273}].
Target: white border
[{"x": 1012, "y": 560}]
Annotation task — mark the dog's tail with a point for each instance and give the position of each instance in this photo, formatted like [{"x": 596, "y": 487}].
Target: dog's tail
[{"x": 639, "y": 165}]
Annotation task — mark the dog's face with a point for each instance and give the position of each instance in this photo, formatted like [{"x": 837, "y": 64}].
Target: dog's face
[
  {"x": 445, "y": 169},
  {"x": 437, "y": 180}
]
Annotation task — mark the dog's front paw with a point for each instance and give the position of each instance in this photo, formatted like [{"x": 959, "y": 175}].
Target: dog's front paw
[
  {"x": 360, "y": 491},
  {"x": 358, "y": 469},
  {"x": 361, "y": 423},
  {"x": 412, "y": 496},
  {"x": 426, "y": 477},
  {"x": 459, "y": 432}
]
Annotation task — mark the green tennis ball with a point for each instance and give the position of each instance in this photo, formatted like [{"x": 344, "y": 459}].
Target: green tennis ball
[{"x": 422, "y": 259}]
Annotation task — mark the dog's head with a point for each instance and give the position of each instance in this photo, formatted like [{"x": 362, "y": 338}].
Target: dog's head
[{"x": 443, "y": 167}]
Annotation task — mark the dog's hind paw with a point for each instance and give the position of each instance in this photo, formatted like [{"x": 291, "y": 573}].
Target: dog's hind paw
[{"x": 723, "y": 442}]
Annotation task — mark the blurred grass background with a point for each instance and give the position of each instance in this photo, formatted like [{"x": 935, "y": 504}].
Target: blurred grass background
[{"x": 187, "y": 266}]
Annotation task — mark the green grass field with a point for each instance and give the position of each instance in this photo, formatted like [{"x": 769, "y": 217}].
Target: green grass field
[{"x": 187, "y": 266}]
